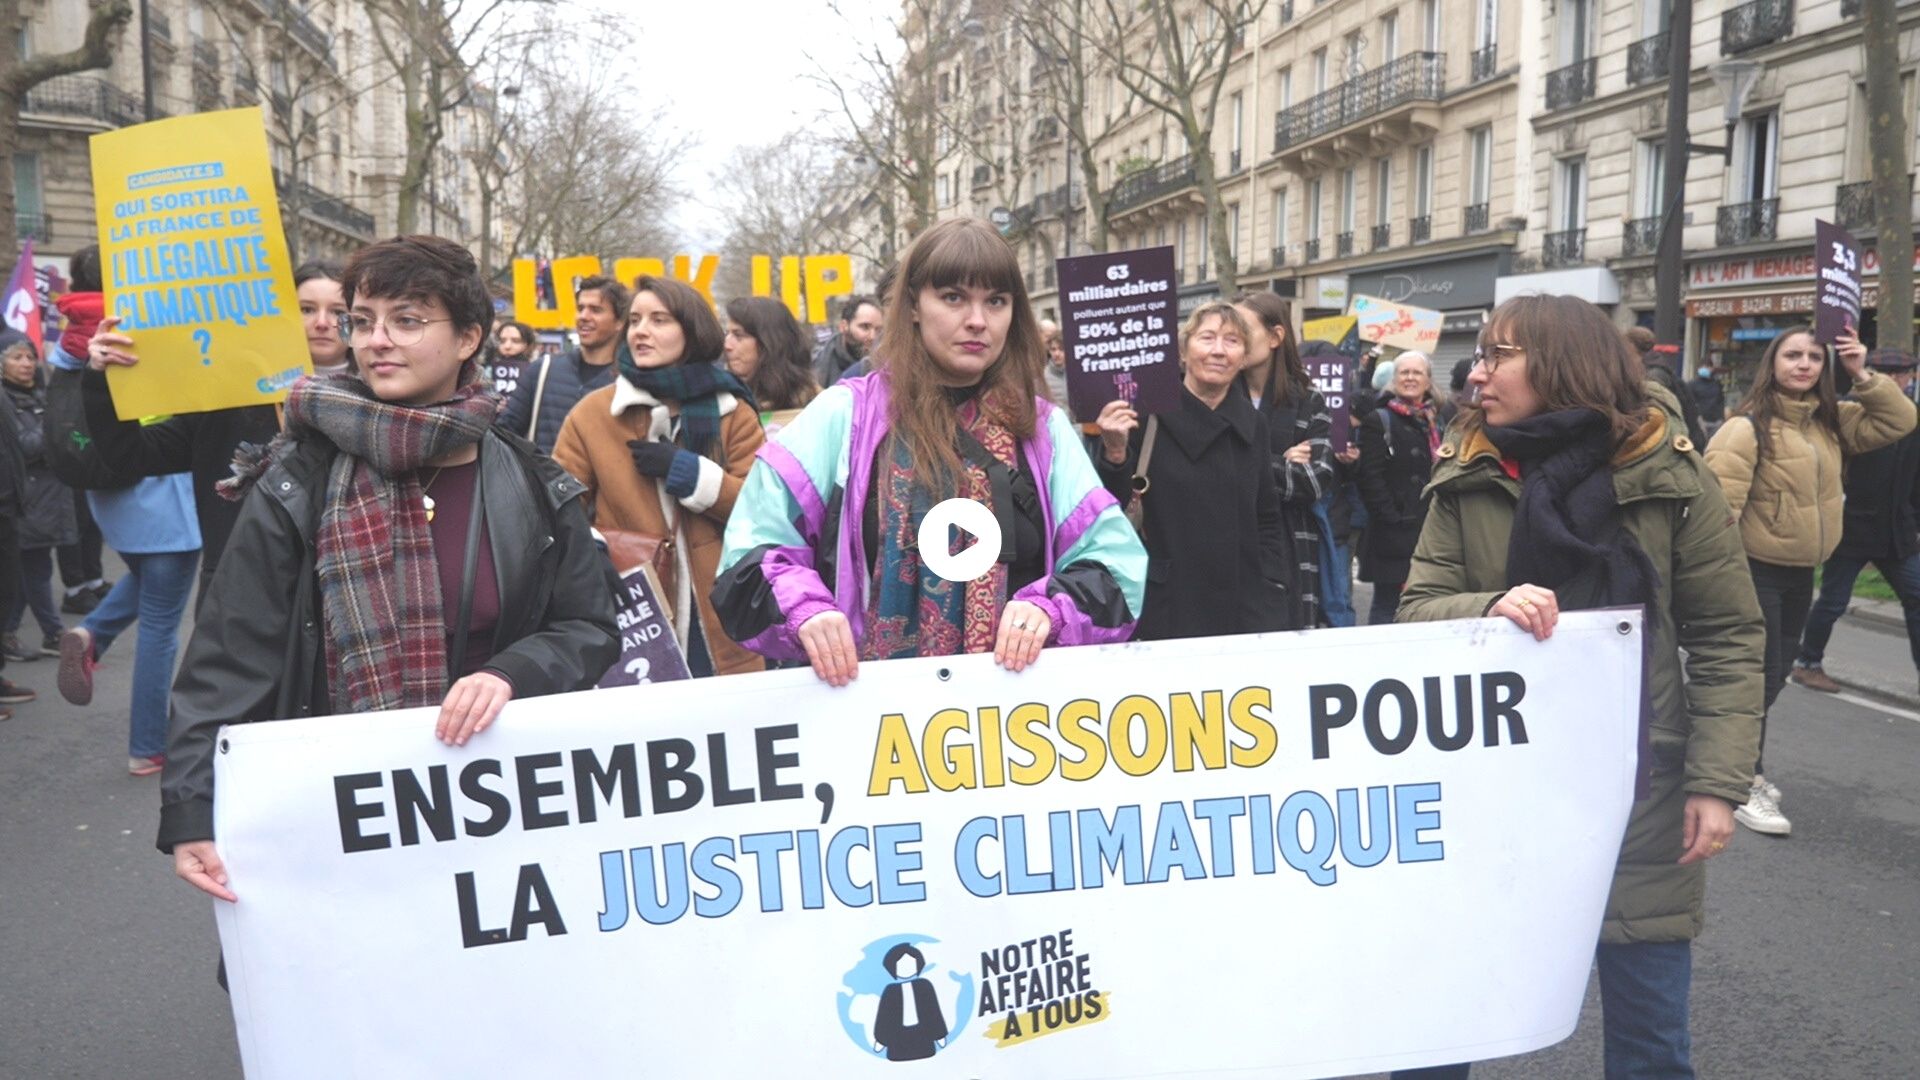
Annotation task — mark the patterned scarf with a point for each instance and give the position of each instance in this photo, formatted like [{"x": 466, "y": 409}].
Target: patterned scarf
[
  {"x": 379, "y": 580},
  {"x": 694, "y": 387},
  {"x": 1424, "y": 414},
  {"x": 913, "y": 612}
]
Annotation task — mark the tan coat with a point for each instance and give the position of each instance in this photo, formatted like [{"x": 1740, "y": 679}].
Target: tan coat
[
  {"x": 1790, "y": 508},
  {"x": 593, "y": 447}
]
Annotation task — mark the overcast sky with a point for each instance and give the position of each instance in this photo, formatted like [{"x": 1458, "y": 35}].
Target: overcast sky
[{"x": 737, "y": 73}]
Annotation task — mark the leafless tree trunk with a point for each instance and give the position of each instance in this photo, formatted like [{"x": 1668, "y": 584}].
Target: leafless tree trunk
[
  {"x": 1892, "y": 183},
  {"x": 1061, "y": 32},
  {"x": 105, "y": 18}
]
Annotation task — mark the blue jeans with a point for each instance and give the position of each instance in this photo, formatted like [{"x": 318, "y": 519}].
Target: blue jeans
[
  {"x": 1836, "y": 589},
  {"x": 1336, "y": 572},
  {"x": 1643, "y": 1009},
  {"x": 154, "y": 590}
]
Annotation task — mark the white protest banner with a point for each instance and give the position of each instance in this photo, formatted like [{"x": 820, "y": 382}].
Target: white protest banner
[{"x": 1309, "y": 854}]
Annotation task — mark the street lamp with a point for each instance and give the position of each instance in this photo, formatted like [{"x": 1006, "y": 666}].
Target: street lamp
[{"x": 1736, "y": 80}]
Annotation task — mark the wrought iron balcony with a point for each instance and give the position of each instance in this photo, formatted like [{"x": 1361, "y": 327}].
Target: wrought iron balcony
[
  {"x": 36, "y": 227},
  {"x": 1849, "y": 9},
  {"x": 1485, "y": 62},
  {"x": 1048, "y": 203},
  {"x": 1149, "y": 184},
  {"x": 84, "y": 97},
  {"x": 327, "y": 208},
  {"x": 1420, "y": 229},
  {"x": 1567, "y": 248},
  {"x": 1277, "y": 258},
  {"x": 1751, "y": 25},
  {"x": 1046, "y": 129},
  {"x": 243, "y": 81},
  {"x": 1415, "y": 77},
  {"x": 1382, "y": 237},
  {"x": 206, "y": 55},
  {"x": 1572, "y": 84},
  {"x": 1046, "y": 276},
  {"x": 1853, "y": 204},
  {"x": 982, "y": 176},
  {"x": 1343, "y": 245},
  {"x": 158, "y": 28},
  {"x": 1641, "y": 236},
  {"x": 1477, "y": 218},
  {"x": 1233, "y": 162},
  {"x": 1313, "y": 250},
  {"x": 1744, "y": 223},
  {"x": 1647, "y": 59}
]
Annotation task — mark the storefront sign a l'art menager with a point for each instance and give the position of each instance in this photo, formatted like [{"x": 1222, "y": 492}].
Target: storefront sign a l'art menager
[{"x": 1767, "y": 269}]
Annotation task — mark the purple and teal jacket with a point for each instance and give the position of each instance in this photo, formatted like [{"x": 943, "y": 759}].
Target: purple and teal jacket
[{"x": 787, "y": 557}]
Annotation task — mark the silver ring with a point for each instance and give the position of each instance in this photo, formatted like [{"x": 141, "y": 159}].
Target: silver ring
[{"x": 1019, "y": 624}]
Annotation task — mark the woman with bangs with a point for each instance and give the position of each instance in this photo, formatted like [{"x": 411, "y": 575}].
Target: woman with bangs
[
  {"x": 822, "y": 560},
  {"x": 1780, "y": 458},
  {"x": 1569, "y": 488},
  {"x": 1210, "y": 509}
]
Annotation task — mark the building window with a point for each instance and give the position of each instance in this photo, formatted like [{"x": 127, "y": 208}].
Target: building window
[
  {"x": 1180, "y": 248},
  {"x": 1206, "y": 243},
  {"x": 1313, "y": 209},
  {"x": 1353, "y": 60},
  {"x": 1480, "y": 164},
  {"x": 1573, "y": 194},
  {"x": 1486, "y": 23},
  {"x": 941, "y": 195},
  {"x": 1280, "y": 220},
  {"x": 27, "y": 200},
  {"x": 1383, "y": 191},
  {"x": 1757, "y": 158},
  {"x": 1346, "y": 200},
  {"x": 1653, "y": 176},
  {"x": 1233, "y": 231},
  {"x": 1423, "y": 181},
  {"x": 1430, "y": 25},
  {"x": 1576, "y": 27},
  {"x": 1319, "y": 70},
  {"x": 1286, "y": 87},
  {"x": 1389, "y": 37},
  {"x": 1239, "y": 114}
]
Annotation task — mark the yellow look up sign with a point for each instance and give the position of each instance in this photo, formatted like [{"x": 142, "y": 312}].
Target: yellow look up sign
[{"x": 195, "y": 265}]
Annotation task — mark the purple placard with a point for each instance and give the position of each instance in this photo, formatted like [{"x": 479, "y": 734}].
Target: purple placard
[
  {"x": 649, "y": 653},
  {"x": 1329, "y": 376},
  {"x": 1836, "y": 298},
  {"x": 506, "y": 375},
  {"x": 1120, "y": 327}
]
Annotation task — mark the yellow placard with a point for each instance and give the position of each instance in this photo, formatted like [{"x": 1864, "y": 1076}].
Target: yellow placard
[
  {"x": 1332, "y": 330},
  {"x": 823, "y": 277},
  {"x": 195, "y": 265}
]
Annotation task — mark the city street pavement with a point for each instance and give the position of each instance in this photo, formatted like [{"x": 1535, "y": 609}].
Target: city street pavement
[{"x": 1810, "y": 966}]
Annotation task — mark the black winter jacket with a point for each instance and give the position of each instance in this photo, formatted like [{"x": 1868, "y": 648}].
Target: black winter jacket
[
  {"x": 1216, "y": 543},
  {"x": 568, "y": 379},
  {"x": 13, "y": 461},
  {"x": 257, "y": 651},
  {"x": 197, "y": 443},
  {"x": 1302, "y": 419},
  {"x": 1395, "y": 464},
  {"x": 1883, "y": 494},
  {"x": 47, "y": 517}
]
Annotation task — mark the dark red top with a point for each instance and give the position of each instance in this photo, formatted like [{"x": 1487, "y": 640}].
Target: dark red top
[{"x": 452, "y": 493}]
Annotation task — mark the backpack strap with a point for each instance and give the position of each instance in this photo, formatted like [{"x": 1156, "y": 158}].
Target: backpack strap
[
  {"x": 539, "y": 391},
  {"x": 1000, "y": 477}
]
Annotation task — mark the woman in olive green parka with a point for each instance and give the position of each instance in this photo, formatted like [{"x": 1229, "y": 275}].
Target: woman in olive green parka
[{"x": 1572, "y": 484}]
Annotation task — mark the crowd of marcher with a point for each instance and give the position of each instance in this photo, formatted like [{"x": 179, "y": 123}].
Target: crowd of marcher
[{"x": 426, "y": 520}]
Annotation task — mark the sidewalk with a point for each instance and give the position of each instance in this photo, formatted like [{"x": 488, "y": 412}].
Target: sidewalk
[{"x": 1867, "y": 655}]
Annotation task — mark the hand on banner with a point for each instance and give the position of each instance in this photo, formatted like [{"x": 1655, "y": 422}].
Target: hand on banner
[
  {"x": 199, "y": 865},
  {"x": 828, "y": 639},
  {"x": 1853, "y": 355},
  {"x": 108, "y": 348},
  {"x": 1116, "y": 420},
  {"x": 1531, "y": 608},
  {"x": 1709, "y": 825},
  {"x": 1300, "y": 453},
  {"x": 1350, "y": 455},
  {"x": 1023, "y": 630},
  {"x": 471, "y": 706}
]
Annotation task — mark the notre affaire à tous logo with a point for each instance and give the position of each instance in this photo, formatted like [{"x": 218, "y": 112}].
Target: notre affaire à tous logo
[{"x": 1038, "y": 987}]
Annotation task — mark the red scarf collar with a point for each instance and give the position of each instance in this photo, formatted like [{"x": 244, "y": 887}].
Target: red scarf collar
[{"x": 83, "y": 310}]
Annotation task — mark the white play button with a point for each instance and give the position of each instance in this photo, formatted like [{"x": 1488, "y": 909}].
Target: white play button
[{"x": 974, "y": 521}]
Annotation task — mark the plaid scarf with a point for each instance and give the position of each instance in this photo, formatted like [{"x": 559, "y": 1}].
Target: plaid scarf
[
  {"x": 1425, "y": 414},
  {"x": 694, "y": 387},
  {"x": 379, "y": 581}
]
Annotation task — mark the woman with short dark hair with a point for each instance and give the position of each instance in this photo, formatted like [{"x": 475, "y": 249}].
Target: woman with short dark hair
[
  {"x": 663, "y": 452},
  {"x": 1301, "y": 428},
  {"x": 1565, "y": 488},
  {"x": 765, "y": 350},
  {"x": 393, "y": 551}
]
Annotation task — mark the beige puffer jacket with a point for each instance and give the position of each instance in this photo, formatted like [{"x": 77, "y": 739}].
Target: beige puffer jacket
[{"x": 1790, "y": 508}]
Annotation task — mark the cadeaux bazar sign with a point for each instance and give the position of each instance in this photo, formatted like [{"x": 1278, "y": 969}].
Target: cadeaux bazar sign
[
  {"x": 1310, "y": 854},
  {"x": 808, "y": 283}
]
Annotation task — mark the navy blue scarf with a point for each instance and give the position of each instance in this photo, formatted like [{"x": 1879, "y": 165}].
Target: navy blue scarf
[{"x": 694, "y": 386}]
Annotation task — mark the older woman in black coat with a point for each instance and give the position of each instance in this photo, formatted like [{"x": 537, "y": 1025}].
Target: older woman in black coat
[
  {"x": 1398, "y": 440},
  {"x": 1216, "y": 542}
]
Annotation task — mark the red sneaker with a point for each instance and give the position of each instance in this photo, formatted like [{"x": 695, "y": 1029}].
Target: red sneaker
[
  {"x": 76, "y": 666},
  {"x": 145, "y": 766}
]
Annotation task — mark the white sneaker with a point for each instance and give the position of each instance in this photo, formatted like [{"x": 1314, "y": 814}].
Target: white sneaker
[
  {"x": 1767, "y": 786},
  {"x": 1762, "y": 811}
]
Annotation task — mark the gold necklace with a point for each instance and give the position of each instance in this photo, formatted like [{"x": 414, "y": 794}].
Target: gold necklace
[{"x": 426, "y": 500}]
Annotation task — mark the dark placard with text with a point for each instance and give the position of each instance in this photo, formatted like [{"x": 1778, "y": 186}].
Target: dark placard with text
[
  {"x": 649, "y": 653},
  {"x": 1329, "y": 376},
  {"x": 1119, "y": 325},
  {"x": 1836, "y": 303}
]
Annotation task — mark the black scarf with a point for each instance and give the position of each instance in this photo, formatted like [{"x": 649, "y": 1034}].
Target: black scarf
[
  {"x": 1567, "y": 534},
  {"x": 1566, "y": 530},
  {"x": 694, "y": 387}
]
